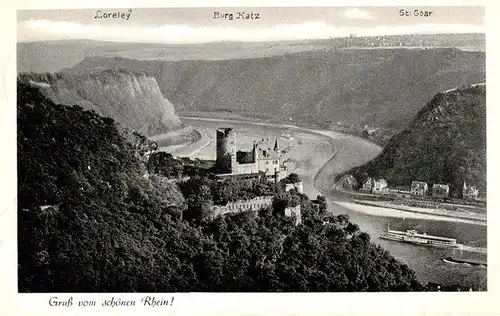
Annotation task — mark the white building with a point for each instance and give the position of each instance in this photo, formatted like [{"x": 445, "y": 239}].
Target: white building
[{"x": 297, "y": 186}]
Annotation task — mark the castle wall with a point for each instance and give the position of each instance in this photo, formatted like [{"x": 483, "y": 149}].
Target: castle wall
[
  {"x": 254, "y": 204},
  {"x": 246, "y": 168}
]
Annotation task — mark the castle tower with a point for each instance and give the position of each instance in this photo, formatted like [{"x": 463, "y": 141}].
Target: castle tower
[
  {"x": 225, "y": 160},
  {"x": 255, "y": 153}
]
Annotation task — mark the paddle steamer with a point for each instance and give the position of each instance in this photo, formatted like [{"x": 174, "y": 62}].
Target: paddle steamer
[{"x": 414, "y": 237}]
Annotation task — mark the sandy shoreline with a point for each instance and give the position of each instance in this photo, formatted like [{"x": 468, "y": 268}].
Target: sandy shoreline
[{"x": 388, "y": 212}]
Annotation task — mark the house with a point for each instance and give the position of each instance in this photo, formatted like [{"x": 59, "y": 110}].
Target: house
[
  {"x": 379, "y": 186},
  {"x": 367, "y": 186},
  {"x": 440, "y": 190},
  {"x": 470, "y": 192},
  {"x": 375, "y": 186},
  {"x": 347, "y": 182},
  {"x": 419, "y": 188}
]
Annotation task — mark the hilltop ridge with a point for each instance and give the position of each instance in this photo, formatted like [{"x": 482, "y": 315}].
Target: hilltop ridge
[{"x": 377, "y": 88}]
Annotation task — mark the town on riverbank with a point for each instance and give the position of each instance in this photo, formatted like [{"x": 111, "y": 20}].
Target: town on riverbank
[{"x": 416, "y": 198}]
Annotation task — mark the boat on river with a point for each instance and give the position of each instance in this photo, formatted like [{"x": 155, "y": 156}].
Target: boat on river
[
  {"x": 466, "y": 261},
  {"x": 422, "y": 239}
]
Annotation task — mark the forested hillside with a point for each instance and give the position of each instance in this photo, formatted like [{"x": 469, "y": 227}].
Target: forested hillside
[
  {"x": 445, "y": 143},
  {"x": 91, "y": 218},
  {"x": 130, "y": 97},
  {"x": 380, "y": 88}
]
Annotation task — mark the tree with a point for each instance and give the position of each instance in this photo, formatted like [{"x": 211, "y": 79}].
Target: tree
[
  {"x": 323, "y": 206},
  {"x": 293, "y": 178},
  {"x": 199, "y": 200}
]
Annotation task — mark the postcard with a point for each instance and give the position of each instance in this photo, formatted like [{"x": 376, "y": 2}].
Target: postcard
[{"x": 204, "y": 159}]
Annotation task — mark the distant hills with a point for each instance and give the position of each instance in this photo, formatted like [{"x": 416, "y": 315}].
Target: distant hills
[
  {"x": 313, "y": 82},
  {"x": 52, "y": 56},
  {"x": 381, "y": 88},
  {"x": 130, "y": 97},
  {"x": 445, "y": 143}
]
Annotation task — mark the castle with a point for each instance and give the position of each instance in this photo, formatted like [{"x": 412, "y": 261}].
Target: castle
[{"x": 260, "y": 160}]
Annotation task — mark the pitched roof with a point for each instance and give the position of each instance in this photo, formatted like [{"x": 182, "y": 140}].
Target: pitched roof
[
  {"x": 418, "y": 184},
  {"x": 438, "y": 185},
  {"x": 266, "y": 153}
]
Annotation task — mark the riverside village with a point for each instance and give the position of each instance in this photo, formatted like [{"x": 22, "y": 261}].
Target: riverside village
[{"x": 418, "y": 197}]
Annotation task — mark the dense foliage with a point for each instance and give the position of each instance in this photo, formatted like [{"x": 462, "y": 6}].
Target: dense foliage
[
  {"x": 91, "y": 218},
  {"x": 445, "y": 143},
  {"x": 166, "y": 165}
]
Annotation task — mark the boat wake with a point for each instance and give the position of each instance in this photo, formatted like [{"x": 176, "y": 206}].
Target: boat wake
[
  {"x": 472, "y": 248},
  {"x": 465, "y": 262}
]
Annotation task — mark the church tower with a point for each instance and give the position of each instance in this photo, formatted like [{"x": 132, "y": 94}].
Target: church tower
[
  {"x": 255, "y": 153},
  {"x": 276, "y": 147}
]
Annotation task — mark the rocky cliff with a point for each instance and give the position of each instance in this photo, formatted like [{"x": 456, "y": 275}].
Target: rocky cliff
[{"x": 131, "y": 98}]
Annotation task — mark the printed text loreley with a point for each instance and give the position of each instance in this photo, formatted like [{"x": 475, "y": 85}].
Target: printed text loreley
[{"x": 102, "y": 14}]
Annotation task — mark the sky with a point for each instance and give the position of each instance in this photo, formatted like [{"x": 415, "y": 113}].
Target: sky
[{"x": 198, "y": 25}]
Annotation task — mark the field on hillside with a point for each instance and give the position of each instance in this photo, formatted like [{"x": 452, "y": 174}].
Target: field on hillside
[
  {"x": 56, "y": 55},
  {"x": 51, "y": 56}
]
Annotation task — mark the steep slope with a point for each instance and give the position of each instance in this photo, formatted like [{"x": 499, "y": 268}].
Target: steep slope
[
  {"x": 445, "y": 143},
  {"x": 132, "y": 98},
  {"x": 374, "y": 87}
]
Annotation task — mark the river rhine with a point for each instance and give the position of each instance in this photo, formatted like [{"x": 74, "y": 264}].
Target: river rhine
[{"x": 317, "y": 158}]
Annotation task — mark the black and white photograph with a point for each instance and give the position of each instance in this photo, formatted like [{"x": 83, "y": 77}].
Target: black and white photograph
[{"x": 251, "y": 149}]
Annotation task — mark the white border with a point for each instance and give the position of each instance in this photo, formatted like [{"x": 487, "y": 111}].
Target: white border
[{"x": 12, "y": 303}]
